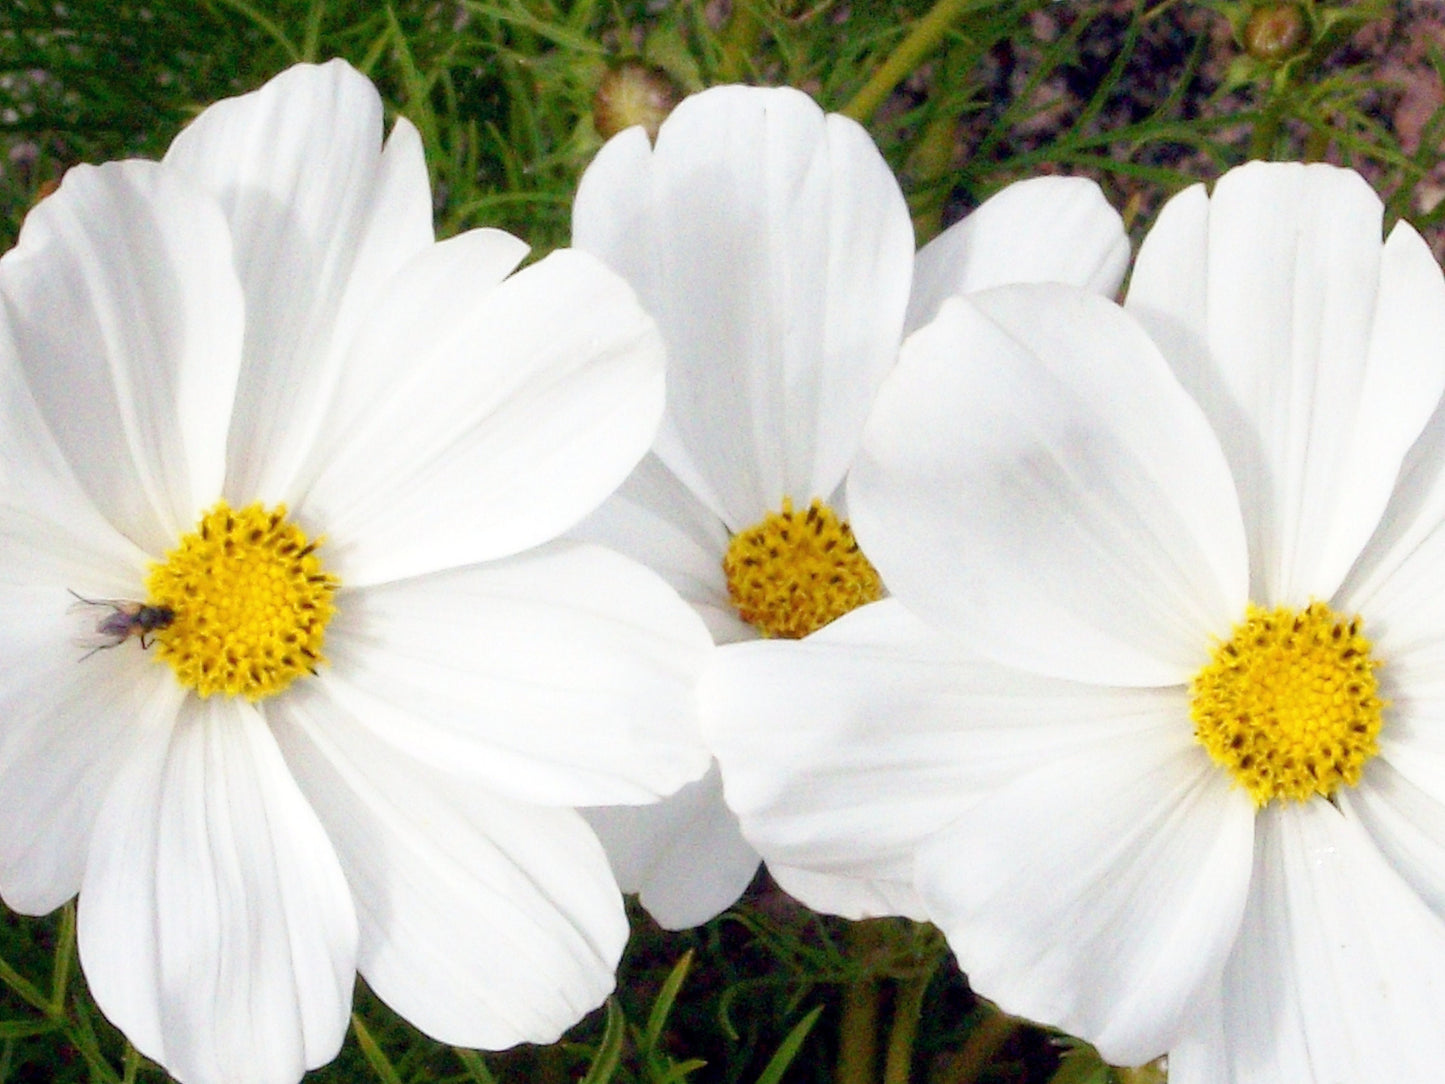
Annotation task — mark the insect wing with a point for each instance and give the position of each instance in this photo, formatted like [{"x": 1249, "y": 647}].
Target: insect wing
[{"x": 118, "y": 624}]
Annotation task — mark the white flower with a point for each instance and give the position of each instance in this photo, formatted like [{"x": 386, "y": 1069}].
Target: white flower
[
  {"x": 773, "y": 246},
  {"x": 264, "y": 319},
  {"x": 1153, "y": 522}
]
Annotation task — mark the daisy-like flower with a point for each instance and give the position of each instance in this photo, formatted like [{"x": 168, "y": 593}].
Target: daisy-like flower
[
  {"x": 1154, "y": 716},
  {"x": 773, "y": 246},
  {"x": 318, "y": 461}
]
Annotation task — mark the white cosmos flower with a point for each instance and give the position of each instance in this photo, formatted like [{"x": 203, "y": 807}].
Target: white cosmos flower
[
  {"x": 1075, "y": 506},
  {"x": 773, "y": 246},
  {"x": 261, "y": 319}
]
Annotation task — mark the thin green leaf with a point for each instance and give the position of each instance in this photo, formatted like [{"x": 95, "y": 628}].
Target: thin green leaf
[
  {"x": 662, "y": 1007},
  {"x": 372, "y": 1052},
  {"x": 1095, "y": 105},
  {"x": 679, "y": 1071},
  {"x": 23, "y": 1029},
  {"x": 474, "y": 1065},
  {"x": 23, "y": 987},
  {"x": 81, "y": 1032},
  {"x": 418, "y": 90},
  {"x": 266, "y": 25},
  {"x": 788, "y": 1048},
  {"x": 609, "y": 1051},
  {"x": 565, "y": 37}
]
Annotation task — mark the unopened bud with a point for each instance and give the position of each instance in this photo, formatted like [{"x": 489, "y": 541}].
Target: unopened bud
[
  {"x": 633, "y": 93},
  {"x": 1275, "y": 32}
]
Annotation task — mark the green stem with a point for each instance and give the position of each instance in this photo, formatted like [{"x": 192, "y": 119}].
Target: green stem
[
  {"x": 907, "y": 1011},
  {"x": 64, "y": 961},
  {"x": 1266, "y": 132},
  {"x": 920, "y": 41},
  {"x": 131, "y": 1065},
  {"x": 311, "y": 43},
  {"x": 858, "y": 1032}
]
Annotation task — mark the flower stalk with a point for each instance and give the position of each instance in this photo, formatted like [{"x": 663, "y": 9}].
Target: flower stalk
[
  {"x": 907, "y": 1013},
  {"x": 925, "y": 36},
  {"x": 858, "y": 1029}
]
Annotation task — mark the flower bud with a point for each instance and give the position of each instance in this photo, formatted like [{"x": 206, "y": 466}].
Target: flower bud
[
  {"x": 633, "y": 93},
  {"x": 1275, "y": 32}
]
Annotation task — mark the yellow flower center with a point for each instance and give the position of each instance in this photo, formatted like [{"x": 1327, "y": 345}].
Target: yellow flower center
[
  {"x": 794, "y": 572},
  {"x": 251, "y": 603},
  {"x": 1289, "y": 704}
]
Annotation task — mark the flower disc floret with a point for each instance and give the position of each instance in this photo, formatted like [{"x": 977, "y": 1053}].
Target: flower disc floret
[
  {"x": 792, "y": 573},
  {"x": 251, "y": 603},
  {"x": 1289, "y": 704}
]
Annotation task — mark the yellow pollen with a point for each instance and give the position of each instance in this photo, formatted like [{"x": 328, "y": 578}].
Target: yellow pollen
[
  {"x": 1289, "y": 704},
  {"x": 251, "y": 602},
  {"x": 794, "y": 572}
]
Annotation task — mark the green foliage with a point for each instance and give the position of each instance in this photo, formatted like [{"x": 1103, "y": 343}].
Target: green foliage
[
  {"x": 962, "y": 97},
  {"x": 501, "y": 89}
]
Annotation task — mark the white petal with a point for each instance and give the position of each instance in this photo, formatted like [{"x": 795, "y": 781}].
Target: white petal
[
  {"x": 1405, "y": 819},
  {"x": 1313, "y": 349},
  {"x": 564, "y": 676},
  {"x": 1200, "y": 1057},
  {"x": 322, "y": 219},
  {"x": 656, "y": 520},
  {"x": 850, "y": 897},
  {"x": 1100, "y": 892},
  {"x": 51, "y": 535},
  {"x": 775, "y": 250},
  {"x": 397, "y": 228},
  {"x": 844, "y": 752},
  {"x": 1336, "y": 976},
  {"x": 1401, "y": 598},
  {"x": 1035, "y": 480},
  {"x": 67, "y": 722},
  {"x": 1401, "y": 798},
  {"x": 68, "y": 726},
  {"x": 1044, "y": 229},
  {"x": 216, "y": 928},
  {"x": 1398, "y": 582},
  {"x": 837, "y": 751},
  {"x": 514, "y": 416},
  {"x": 125, "y": 319},
  {"x": 423, "y": 303},
  {"x": 684, "y": 856},
  {"x": 484, "y": 921}
]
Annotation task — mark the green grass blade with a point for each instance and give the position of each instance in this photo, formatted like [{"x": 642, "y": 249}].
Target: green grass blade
[
  {"x": 372, "y": 1052},
  {"x": 474, "y": 1065},
  {"x": 666, "y": 998},
  {"x": 788, "y": 1049},
  {"x": 609, "y": 1051}
]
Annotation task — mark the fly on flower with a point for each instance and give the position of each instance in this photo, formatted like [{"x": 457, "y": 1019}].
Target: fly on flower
[
  {"x": 125, "y": 619},
  {"x": 284, "y": 803}
]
